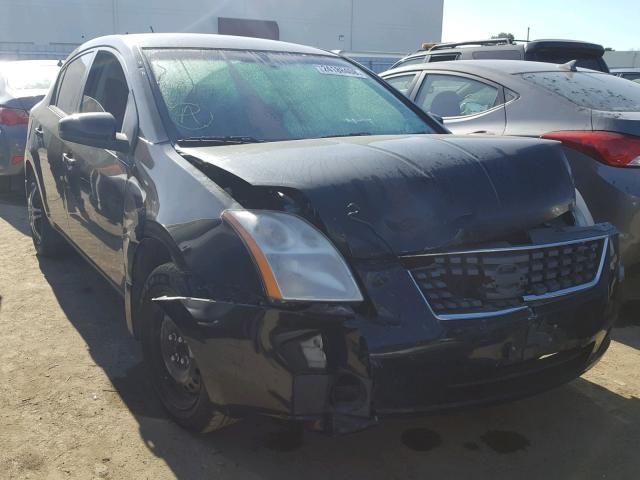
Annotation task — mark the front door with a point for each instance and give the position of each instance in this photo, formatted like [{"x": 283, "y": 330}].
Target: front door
[
  {"x": 50, "y": 148},
  {"x": 96, "y": 177}
]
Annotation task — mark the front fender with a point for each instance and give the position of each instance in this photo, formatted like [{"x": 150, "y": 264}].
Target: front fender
[{"x": 161, "y": 226}]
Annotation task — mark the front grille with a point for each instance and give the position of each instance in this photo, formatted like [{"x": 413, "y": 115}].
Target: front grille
[{"x": 500, "y": 279}]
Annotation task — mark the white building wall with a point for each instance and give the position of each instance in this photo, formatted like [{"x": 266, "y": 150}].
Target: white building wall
[
  {"x": 358, "y": 25},
  {"x": 629, "y": 59}
]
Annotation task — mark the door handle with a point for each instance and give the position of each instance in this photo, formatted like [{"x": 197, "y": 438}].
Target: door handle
[
  {"x": 68, "y": 159},
  {"x": 39, "y": 132}
]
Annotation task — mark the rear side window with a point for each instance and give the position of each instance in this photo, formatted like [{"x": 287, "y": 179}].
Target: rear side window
[
  {"x": 402, "y": 83},
  {"x": 497, "y": 55},
  {"x": 445, "y": 57},
  {"x": 106, "y": 89},
  {"x": 410, "y": 61},
  {"x": 70, "y": 84},
  {"x": 598, "y": 91},
  {"x": 452, "y": 96}
]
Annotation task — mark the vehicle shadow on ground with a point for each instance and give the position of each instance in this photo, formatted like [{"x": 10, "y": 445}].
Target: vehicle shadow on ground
[
  {"x": 578, "y": 431},
  {"x": 13, "y": 199},
  {"x": 582, "y": 429}
]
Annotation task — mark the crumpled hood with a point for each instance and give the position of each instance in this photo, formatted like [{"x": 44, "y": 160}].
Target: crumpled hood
[{"x": 408, "y": 194}]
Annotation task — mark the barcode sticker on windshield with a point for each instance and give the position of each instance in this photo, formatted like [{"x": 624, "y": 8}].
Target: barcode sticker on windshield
[{"x": 341, "y": 71}]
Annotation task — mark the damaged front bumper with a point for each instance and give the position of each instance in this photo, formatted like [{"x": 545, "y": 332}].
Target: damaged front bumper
[{"x": 340, "y": 369}]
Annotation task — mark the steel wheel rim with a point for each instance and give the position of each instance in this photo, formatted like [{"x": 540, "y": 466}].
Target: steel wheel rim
[{"x": 182, "y": 376}]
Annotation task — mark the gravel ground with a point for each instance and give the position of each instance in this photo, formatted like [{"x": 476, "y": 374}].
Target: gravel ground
[{"x": 74, "y": 403}]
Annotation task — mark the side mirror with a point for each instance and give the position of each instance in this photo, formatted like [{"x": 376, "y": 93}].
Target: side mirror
[
  {"x": 437, "y": 118},
  {"x": 95, "y": 129}
]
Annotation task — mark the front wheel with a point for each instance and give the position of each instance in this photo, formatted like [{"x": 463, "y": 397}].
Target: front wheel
[
  {"x": 172, "y": 368},
  {"x": 46, "y": 240}
]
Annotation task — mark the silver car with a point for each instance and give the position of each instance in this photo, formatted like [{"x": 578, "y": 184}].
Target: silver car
[{"x": 596, "y": 116}]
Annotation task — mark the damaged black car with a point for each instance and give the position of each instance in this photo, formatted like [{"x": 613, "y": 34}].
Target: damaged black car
[{"x": 294, "y": 238}]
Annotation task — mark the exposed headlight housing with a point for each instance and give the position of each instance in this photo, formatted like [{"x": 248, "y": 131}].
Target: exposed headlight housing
[
  {"x": 581, "y": 212},
  {"x": 296, "y": 261}
]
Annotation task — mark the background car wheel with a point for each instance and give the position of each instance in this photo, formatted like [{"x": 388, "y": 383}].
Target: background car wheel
[
  {"x": 172, "y": 368},
  {"x": 46, "y": 240}
]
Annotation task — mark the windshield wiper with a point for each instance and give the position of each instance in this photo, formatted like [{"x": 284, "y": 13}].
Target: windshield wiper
[
  {"x": 213, "y": 141},
  {"x": 354, "y": 134}
]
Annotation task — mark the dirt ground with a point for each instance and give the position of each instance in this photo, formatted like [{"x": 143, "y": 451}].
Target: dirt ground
[{"x": 74, "y": 403}]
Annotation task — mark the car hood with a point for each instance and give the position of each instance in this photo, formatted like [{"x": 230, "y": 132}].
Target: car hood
[{"x": 407, "y": 194}]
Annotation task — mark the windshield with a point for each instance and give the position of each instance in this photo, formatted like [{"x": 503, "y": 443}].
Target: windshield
[
  {"x": 598, "y": 91},
  {"x": 267, "y": 96},
  {"x": 30, "y": 76}
]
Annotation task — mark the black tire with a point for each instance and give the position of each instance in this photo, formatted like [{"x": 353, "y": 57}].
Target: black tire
[
  {"x": 5, "y": 184},
  {"x": 186, "y": 400},
  {"x": 46, "y": 240}
]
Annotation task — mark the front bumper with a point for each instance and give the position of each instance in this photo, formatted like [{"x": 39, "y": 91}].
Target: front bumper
[{"x": 340, "y": 369}]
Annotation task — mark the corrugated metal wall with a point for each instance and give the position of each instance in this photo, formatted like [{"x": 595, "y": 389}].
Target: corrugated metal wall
[
  {"x": 52, "y": 28},
  {"x": 629, "y": 59}
]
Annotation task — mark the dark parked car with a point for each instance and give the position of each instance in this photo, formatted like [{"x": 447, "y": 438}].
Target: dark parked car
[
  {"x": 596, "y": 116},
  {"x": 295, "y": 238},
  {"x": 632, "y": 74},
  {"x": 587, "y": 55},
  {"x": 22, "y": 85}
]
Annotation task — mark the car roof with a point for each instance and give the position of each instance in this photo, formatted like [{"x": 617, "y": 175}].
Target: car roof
[
  {"x": 199, "y": 40},
  {"x": 506, "y": 45},
  {"x": 492, "y": 67}
]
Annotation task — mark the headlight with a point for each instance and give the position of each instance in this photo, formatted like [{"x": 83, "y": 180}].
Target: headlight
[{"x": 296, "y": 261}]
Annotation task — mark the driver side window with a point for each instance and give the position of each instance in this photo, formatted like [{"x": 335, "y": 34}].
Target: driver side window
[
  {"x": 452, "y": 96},
  {"x": 106, "y": 89}
]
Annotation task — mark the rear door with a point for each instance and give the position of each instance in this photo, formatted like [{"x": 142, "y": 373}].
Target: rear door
[
  {"x": 96, "y": 177},
  {"x": 49, "y": 148},
  {"x": 467, "y": 104}
]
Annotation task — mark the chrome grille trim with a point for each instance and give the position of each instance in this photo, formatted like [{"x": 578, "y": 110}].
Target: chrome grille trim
[
  {"x": 508, "y": 249},
  {"x": 525, "y": 298}
]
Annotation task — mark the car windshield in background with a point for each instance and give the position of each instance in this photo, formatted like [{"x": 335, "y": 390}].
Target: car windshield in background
[
  {"x": 592, "y": 63},
  {"x": 598, "y": 91},
  {"x": 269, "y": 96},
  {"x": 30, "y": 76}
]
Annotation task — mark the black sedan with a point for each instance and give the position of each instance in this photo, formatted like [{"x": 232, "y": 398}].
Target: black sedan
[{"x": 295, "y": 238}]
